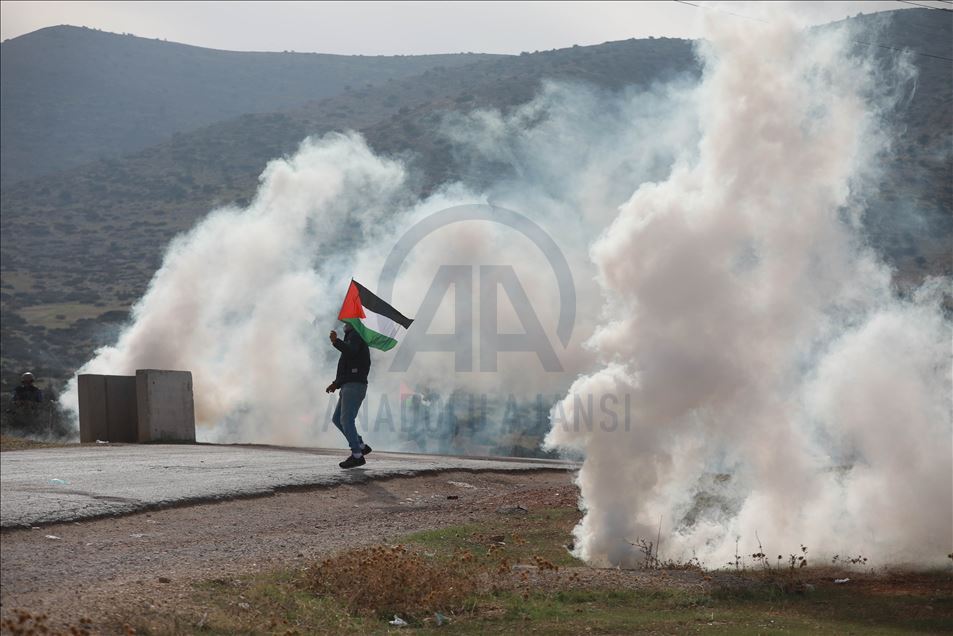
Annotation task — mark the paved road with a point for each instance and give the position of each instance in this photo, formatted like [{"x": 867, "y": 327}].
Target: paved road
[{"x": 53, "y": 485}]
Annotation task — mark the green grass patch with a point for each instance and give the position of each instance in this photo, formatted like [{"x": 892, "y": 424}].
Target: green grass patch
[
  {"x": 513, "y": 538},
  {"x": 271, "y": 603},
  {"x": 684, "y": 612},
  {"x": 17, "y": 281},
  {"x": 58, "y": 315}
]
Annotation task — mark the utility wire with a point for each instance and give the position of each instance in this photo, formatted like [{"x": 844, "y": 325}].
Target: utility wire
[
  {"x": 880, "y": 46},
  {"x": 925, "y": 6},
  {"x": 739, "y": 15}
]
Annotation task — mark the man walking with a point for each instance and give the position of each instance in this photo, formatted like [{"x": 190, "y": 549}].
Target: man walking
[
  {"x": 368, "y": 322},
  {"x": 353, "y": 367}
]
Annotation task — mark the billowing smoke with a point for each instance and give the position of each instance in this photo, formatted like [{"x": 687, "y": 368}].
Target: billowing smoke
[
  {"x": 235, "y": 298},
  {"x": 741, "y": 363},
  {"x": 245, "y": 301},
  {"x": 763, "y": 378},
  {"x": 246, "y": 298}
]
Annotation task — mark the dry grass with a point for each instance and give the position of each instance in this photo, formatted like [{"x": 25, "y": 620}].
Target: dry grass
[
  {"x": 11, "y": 443},
  {"x": 391, "y": 580},
  {"x": 24, "y": 623}
]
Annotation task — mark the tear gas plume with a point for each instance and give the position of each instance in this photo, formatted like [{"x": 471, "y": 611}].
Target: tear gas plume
[
  {"x": 246, "y": 298},
  {"x": 769, "y": 380},
  {"x": 740, "y": 363},
  {"x": 235, "y": 297}
]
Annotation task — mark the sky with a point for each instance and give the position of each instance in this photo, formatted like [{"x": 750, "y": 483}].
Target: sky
[{"x": 400, "y": 28}]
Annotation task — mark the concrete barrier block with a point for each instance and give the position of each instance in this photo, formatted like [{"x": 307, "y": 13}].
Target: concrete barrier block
[
  {"x": 107, "y": 408},
  {"x": 166, "y": 406}
]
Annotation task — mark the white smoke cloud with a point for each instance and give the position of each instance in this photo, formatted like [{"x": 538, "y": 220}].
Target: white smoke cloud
[
  {"x": 235, "y": 298},
  {"x": 245, "y": 299},
  {"x": 752, "y": 339}
]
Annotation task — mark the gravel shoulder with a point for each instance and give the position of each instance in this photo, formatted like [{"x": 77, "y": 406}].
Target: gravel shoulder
[{"x": 99, "y": 569}]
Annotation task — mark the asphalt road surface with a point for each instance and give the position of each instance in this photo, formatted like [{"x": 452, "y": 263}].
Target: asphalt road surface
[{"x": 55, "y": 485}]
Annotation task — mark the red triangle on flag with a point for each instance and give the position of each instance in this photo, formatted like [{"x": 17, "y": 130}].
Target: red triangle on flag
[{"x": 352, "y": 307}]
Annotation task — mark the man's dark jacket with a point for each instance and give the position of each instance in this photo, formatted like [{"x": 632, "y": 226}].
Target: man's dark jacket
[
  {"x": 355, "y": 361},
  {"x": 27, "y": 393}
]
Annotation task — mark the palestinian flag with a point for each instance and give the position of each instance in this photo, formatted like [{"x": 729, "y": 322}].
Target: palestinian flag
[{"x": 379, "y": 324}]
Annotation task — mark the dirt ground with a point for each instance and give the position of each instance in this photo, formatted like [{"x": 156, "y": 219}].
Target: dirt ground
[{"x": 99, "y": 570}]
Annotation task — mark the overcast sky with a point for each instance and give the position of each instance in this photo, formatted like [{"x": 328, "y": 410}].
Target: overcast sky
[{"x": 386, "y": 28}]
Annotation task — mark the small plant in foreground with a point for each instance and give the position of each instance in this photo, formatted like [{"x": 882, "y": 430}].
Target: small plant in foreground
[
  {"x": 671, "y": 564},
  {"x": 737, "y": 563},
  {"x": 760, "y": 556},
  {"x": 849, "y": 560},
  {"x": 649, "y": 558},
  {"x": 545, "y": 564},
  {"x": 800, "y": 560}
]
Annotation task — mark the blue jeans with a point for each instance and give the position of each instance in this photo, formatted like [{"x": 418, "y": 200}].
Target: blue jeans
[{"x": 349, "y": 403}]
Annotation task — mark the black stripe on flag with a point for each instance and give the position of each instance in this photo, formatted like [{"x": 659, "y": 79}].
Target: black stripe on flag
[{"x": 378, "y": 306}]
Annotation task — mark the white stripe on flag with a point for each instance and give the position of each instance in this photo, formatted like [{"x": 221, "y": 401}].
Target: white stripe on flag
[{"x": 382, "y": 325}]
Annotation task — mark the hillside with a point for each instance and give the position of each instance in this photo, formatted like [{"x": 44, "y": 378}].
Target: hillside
[
  {"x": 910, "y": 220},
  {"x": 79, "y": 247},
  {"x": 71, "y": 95}
]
